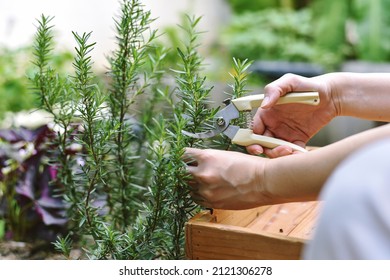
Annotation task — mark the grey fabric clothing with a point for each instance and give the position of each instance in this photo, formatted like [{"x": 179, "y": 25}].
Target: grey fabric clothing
[{"x": 355, "y": 220}]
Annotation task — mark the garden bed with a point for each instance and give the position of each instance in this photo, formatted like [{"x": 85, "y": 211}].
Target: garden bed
[{"x": 13, "y": 250}]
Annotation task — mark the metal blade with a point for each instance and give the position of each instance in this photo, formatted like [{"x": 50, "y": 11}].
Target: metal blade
[
  {"x": 231, "y": 131},
  {"x": 228, "y": 113},
  {"x": 221, "y": 123},
  {"x": 202, "y": 135}
]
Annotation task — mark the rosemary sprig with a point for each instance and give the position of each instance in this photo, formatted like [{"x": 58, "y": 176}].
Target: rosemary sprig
[
  {"x": 93, "y": 134},
  {"x": 128, "y": 82},
  {"x": 238, "y": 86},
  {"x": 55, "y": 95}
]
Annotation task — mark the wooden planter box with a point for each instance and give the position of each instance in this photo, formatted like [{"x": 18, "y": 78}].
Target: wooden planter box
[{"x": 268, "y": 232}]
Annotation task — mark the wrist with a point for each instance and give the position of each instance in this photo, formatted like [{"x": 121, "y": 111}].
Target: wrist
[
  {"x": 357, "y": 95},
  {"x": 267, "y": 177},
  {"x": 284, "y": 179},
  {"x": 336, "y": 85}
]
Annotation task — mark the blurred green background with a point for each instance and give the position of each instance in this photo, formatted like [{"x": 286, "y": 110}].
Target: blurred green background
[{"x": 327, "y": 32}]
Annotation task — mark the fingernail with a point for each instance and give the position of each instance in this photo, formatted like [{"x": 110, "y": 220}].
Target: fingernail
[
  {"x": 258, "y": 152},
  {"x": 285, "y": 152},
  {"x": 265, "y": 102}
]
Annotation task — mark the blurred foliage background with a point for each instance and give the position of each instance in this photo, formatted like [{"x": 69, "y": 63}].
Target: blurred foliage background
[
  {"x": 14, "y": 93},
  {"x": 15, "y": 65},
  {"x": 327, "y": 33},
  {"x": 271, "y": 30}
]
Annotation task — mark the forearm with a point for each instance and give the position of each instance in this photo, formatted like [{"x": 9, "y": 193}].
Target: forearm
[
  {"x": 301, "y": 177},
  {"x": 365, "y": 96}
]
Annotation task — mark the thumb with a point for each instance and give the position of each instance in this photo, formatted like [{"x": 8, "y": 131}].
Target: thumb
[
  {"x": 285, "y": 84},
  {"x": 271, "y": 96}
]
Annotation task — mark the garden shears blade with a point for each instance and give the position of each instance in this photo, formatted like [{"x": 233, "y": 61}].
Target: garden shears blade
[{"x": 244, "y": 136}]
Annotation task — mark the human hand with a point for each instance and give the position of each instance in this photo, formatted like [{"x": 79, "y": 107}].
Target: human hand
[
  {"x": 226, "y": 180},
  {"x": 295, "y": 123}
]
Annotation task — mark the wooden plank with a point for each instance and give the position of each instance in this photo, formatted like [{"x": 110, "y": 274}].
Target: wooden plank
[
  {"x": 240, "y": 218},
  {"x": 306, "y": 227},
  {"x": 216, "y": 241},
  {"x": 282, "y": 218}
]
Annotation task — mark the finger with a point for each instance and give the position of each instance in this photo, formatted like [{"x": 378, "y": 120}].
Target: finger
[
  {"x": 255, "y": 150},
  {"x": 258, "y": 149},
  {"x": 279, "y": 151},
  {"x": 193, "y": 185},
  {"x": 271, "y": 96},
  {"x": 189, "y": 156},
  {"x": 285, "y": 84},
  {"x": 257, "y": 124},
  {"x": 192, "y": 151},
  {"x": 282, "y": 151},
  {"x": 191, "y": 169}
]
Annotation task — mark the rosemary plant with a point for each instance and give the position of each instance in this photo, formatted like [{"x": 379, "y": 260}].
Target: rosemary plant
[
  {"x": 126, "y": 187},
  {"x": 129, "y": 80},
  {"x": 240, "y": 77},
  {"x": 93, "y": 136},
  {"x": 238, "y": 89},
  {"x": 161, "y": 234},
  {"x": 55, "y": 97},
  {"x": 190, "y": 113},
  {"x": 194, "y": 94}
]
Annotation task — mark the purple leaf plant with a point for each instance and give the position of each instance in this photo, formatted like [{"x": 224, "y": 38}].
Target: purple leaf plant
[{"x": 27, "y": 173}]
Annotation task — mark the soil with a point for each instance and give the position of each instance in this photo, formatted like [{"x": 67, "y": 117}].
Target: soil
[{"x": 13, "y": 250}]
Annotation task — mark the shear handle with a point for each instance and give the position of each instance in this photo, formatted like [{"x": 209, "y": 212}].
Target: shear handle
[
  {"x": 250, "y": 102},
  {"x": 246, "y": 137}
]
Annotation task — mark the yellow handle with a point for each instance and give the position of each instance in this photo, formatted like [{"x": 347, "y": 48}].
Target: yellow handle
[
  {"x": 250, "y": 102},
  {"x": 245, "y": 137}
]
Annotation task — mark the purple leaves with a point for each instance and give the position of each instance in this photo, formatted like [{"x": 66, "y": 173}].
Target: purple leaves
[{"x": 30, "y": 178}]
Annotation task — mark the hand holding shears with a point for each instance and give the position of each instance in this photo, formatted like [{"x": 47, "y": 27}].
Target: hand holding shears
[{"x": 245, "y": 136}]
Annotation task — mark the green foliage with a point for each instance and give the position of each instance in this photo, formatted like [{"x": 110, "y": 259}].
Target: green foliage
[
  {"x": 2, "y": 228},
  {"x": 14, "y": 83},
  {"x": 275, "y": 34},
  {"x": 127, "y": 70},
  {"x": 192, "y": 89},
  {"x": 240, "y": 77},
  {"x": 159, "y": 232},
  {"x": 372, "y": 28},
  {"x": 240, "y": 6},
  {"x": 325, "y": 32},
  {"x": 14, "y": 92},
  {"x": 57, "y": 98},
  {"x": 13, "y": 216},
  {"x": 329, "y": 24},
  {"x": 63, "y": 245},
  {"x": 358, "y": 29},
  {"x": 190, "y": 113},
  {"x": 93, "y": 137},
  {"x": 239, "y": 88}
]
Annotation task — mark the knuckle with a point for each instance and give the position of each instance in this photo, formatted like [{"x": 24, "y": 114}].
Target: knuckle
[{"x": 289, "y": 76}]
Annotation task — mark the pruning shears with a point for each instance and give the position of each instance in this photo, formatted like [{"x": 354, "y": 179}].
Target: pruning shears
[{"x": 244, "y": 136}]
